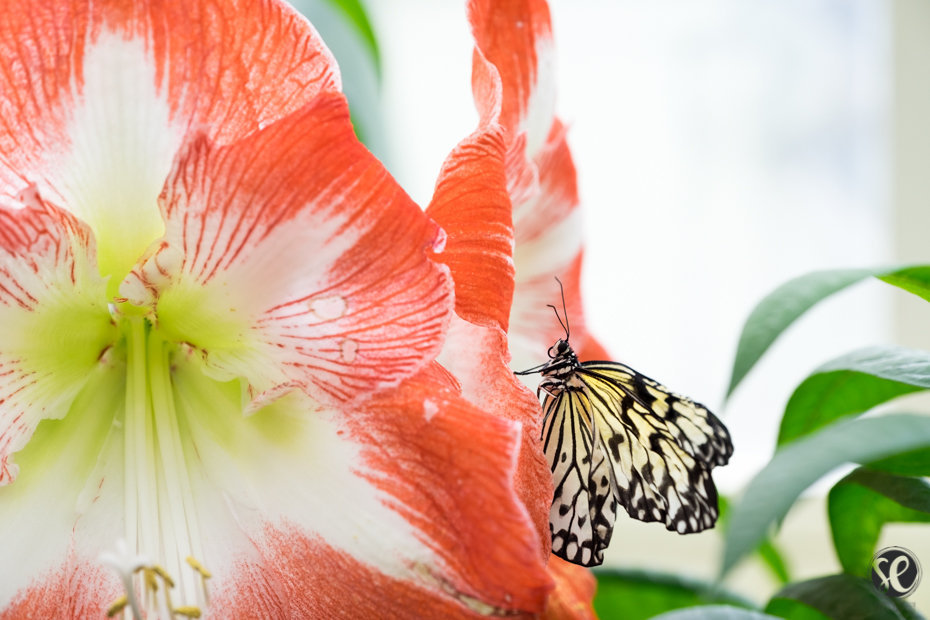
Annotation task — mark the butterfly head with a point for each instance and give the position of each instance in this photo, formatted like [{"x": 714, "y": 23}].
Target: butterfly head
[{"x": 560, "y": 349}]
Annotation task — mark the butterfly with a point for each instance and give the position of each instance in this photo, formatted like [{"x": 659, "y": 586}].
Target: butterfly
[{"x": 613, "y": 436}]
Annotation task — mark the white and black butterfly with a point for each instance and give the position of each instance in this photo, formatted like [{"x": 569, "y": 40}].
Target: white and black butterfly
[{"x": 613, "y": 436}]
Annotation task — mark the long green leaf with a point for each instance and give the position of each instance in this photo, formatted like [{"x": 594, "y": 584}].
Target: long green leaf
[
  {"x": 853, "y": 384},
  {"x": 768, "y": 552},
  {"x": 774, "y": 560},
  {"x": 914, "y": 280},
  {"x": 715, "y": 612},
  {"x": 638, "y": 595},
  {"x": 784, "y": 306},
  {"x": 844, "y": 597},
  {"x": 860, "y": 504},
  {"x": 799, "y": 464}
]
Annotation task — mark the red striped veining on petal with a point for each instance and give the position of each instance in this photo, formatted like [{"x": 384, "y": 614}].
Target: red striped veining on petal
[
  {"x": 323, "y": 253},
  {"x": 313, "y": 580},
  {"x": 449, "y": 469},
  {"x": 37, "y": 246},
  {"x": 78, "y": 590},
  {"x": 228, "y": 67}
]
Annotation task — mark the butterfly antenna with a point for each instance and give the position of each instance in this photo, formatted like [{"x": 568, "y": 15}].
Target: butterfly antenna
[
  {"x": 554, "y": 309},
  {"x": 567, "y": 327}
]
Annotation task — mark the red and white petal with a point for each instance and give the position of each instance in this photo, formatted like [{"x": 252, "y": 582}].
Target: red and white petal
[
  {"x": 99, "y": 96},
  {"x": 414, "y": 487},
  {"x": 516, "y": 37},
  {"x": 65, "y": 508},
  {"x": 54, "y": 322},
  {"x": 292, "y": 257},
  {"x": 533, "y": 325},
  {"x": 555, "y": 200},
  {"x": 78, "y": 589},
  {"x": 478, "y": 358}
]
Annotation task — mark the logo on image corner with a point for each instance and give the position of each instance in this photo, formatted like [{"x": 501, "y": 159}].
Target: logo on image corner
[{"x": 896, "y": 572}]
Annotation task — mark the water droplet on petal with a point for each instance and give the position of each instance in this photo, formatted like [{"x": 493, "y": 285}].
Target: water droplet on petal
[
  {"x": 349, "y": 350},
  {"x": 430, "y": 409},
  {"x": 328, "y": 308}
]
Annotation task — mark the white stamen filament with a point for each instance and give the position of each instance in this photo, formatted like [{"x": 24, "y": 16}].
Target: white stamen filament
[{"x": 161, "y": 520}]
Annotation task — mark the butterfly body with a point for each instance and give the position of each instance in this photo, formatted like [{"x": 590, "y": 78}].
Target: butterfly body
[{"x": 615, "y": 437}]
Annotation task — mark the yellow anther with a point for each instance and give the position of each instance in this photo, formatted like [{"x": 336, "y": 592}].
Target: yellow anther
[
  {"x": 164, "y": 575},
  {"x": 190, "y": 612},
  {"x": 197, "y": 566},
  {"x": 117, "y": 606},
  {"x": 150, "y": 582}
]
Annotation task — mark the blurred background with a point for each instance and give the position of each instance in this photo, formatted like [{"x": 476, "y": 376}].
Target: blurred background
[{"x": 723, "y": 147}]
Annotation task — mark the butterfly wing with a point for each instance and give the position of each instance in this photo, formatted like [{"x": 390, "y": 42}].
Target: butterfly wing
[
  {"x": 662, "y": 447},
  {"x": 584, "y": 507}
]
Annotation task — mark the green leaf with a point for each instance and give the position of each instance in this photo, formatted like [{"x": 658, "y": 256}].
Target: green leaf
[
  {"x": 915, "y": 463},
  {"x": 852, "y": 384},
  {"x": 768, "y": 552},
  {"x": 638, "y": 595},
  {"x": 774, "y": 560},
  {"x": 714, "y": 612},
  {"x": 347, "y": 32},
  {"x": 799, "y": 464},
  {"x": 843, "y": 597},
  {"x": 355, "y": 12},
  {"x": 782, "y": 307},
  {"x": 914, "y": 280},
  {"x": 793, "y": 610},
  {"x": 860, "y": 504}
]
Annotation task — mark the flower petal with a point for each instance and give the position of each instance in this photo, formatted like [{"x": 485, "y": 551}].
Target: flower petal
[
  {"x": 557, "y": 198},
  {"x": 533, "y": 325},
  {"x": 78, "y": 590},
  {"x": 477, "y": 356},
  {"x": 415, "y": 485},
  {"x": 65, "y": 504},
  {"x": 322, "y": 582},
  {"x": 418, "y": 456},
  {"x": 593, "y": 350},
  {"x": 516, "y": 37},
  {"x": 292, "y": 257},
  {"x": 472, "y": 205},
  {"x": 54, "y": 322},
  {"x": 574, "y": 592},
  {"x": 99, "y": 96}
]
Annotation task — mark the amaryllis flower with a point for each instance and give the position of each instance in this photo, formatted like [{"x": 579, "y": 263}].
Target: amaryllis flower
[
  {"x": 218, "y": 315},
  {"x": 507, "y": 198}
]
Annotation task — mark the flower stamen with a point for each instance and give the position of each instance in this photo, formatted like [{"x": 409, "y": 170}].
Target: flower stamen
[
  {"x": 204, "y": 575},
  {"x": 117, "y": 606}
]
